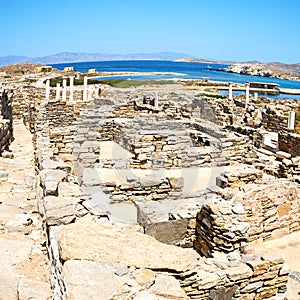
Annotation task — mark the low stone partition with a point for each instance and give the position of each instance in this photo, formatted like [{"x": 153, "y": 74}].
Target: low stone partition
[
  {"x": 262, "y": 212},
  {"x": 271, "y": 210},
  {"x": 6, "y": 117},
  {"x": 220, "y": 228},
  {"x": 289, "y": 142},
  {"x": 163, "y": 144},
  {"x": 6, "y": 134},
  {"x": 253, "y": 134},
  {"x": 238, "y": 178},
  {"x": 147, "y": 188},
  {"x": 273, "y": 121}
]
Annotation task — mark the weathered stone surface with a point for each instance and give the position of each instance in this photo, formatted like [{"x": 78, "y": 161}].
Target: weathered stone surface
[
  {"x": 144, "y": 277},
  {"x": 145, "y": 295},
  {"x": 169, "y": 232},
  {"x": 167, "y": 287},
  {"x": 259, "y": 266},
  {"x": 59, "y": 210},
  {"x": 29, "y": 289},
  {"x": 105, "y": 243},
  {"x": 239, "y": 272},
  {"x": 223, "y": 293},
  {"x": 90, "y": 280},
  {"x": 251, "y": 287},
  {"x": 13, "y": 281},
  {"x": 90, "y": 177},
  {"x": 207, "y": 280},
  {"x": 98, "y": 202}
]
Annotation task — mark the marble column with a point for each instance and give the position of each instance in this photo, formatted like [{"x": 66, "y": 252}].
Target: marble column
[
  {"x": 255, "y": 96},
  {"x": 47, "y": 89},
  {"x": 247, "y": 94},
  {"x": 156, "y": 101},
  {"x": 64, "y": 92},
  {"x": 230, "y": 91},
  {"x": 71, "y": 88},
  {"x": 85, "y": 85},
  {"x": 57, "y": 91},
  {"x": 291, "y": 120}
]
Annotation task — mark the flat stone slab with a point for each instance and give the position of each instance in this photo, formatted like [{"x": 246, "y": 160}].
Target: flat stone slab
[
  {"x": 113, "y": 244},
  {"x": 90, "y": 280},
  {"x": 124, "y": 212},
  {"x": 99, "y": 201}
]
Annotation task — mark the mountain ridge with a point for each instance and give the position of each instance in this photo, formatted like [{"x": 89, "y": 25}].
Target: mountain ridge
[
  {"x": 66, "y": 57},
  {"x": 71, "y": 57}
]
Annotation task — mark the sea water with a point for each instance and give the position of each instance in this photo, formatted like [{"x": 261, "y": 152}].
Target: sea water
[{"x": 176, "y": 70}]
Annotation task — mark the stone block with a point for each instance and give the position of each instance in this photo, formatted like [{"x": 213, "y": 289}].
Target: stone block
[
  {"x": 59, "y": 210},
  {"x": 168, "y": 232},
  {"x": 238, "y": 273}
]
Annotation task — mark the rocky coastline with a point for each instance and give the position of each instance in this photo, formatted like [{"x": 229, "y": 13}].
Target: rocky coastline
[{"x": 258, "y": 69}]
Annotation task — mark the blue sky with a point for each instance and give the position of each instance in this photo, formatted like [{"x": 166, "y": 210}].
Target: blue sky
[{"x": 239, "y": 30}]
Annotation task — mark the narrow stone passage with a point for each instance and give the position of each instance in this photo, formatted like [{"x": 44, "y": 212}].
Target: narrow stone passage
[{"x": 24, "y": 269}]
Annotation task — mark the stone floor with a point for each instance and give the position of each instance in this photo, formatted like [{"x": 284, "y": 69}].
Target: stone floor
[{"x": 24, "y": 269}]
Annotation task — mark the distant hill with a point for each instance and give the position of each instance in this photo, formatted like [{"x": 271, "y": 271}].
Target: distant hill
[
  {"x": 65, "y": 57},
  {"x": 12, "y": 59},
  {"x": 289, "y": 67}
]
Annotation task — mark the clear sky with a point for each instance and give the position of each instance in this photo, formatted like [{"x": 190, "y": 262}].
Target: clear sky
[{"x": 239, "y": 30}]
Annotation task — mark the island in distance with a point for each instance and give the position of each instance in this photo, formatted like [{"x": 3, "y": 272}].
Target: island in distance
[{"x": 67, "y": 57}]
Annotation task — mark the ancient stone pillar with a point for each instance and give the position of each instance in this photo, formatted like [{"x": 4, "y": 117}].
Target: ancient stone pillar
[
  {"x": 57, "y": 91},
  {"x": 291, "y": 120},
  {"x": 85, "y": 84},
  {"x": 64, "y": 92},
  {"x": 156, "y": 100},
  {"x": 247, "y": 94},
  {"x": 255, "y": 96},
  {"x": 230, "y": 91},
  {"x": 47, "y": 89},
  {"x": 71, "y": 88}
]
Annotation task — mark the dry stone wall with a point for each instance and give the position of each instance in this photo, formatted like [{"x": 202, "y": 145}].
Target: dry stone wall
[
  {"x": 289, "y": 142},
  {"x": 271, "y": 211},
  {"x": 6, "y": 124}
]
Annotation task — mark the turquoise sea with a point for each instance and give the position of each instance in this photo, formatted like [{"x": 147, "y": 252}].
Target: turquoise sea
[{"x": 171, "y": 69}]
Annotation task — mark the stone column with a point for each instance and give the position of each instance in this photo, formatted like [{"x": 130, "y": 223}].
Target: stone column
[
  {"x": 64, "y": 92},
  {"x": 71, "y": 88},
  {"x": 255, "y": 96},
  {"x": 47, "y": 89},
  {"x": 85, "y": 84},
  {"x": 230, "y": 91},
  {"x": 291, "y": 120},
  {"x": 57, "y": 91},
  {"x": 156, "y": 100},
  {"x": 247, "y": 94}
]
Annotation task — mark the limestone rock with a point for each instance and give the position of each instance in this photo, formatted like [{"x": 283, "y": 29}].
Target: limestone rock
[
  {"x": 239, "y": 272},
  {"x": 90, "y": 280},
  {"x": 144, "y": 277},
  {"x": 90, "y": 177},
  {"x": 59, "y": 210},
  {"x": 29, "y": 289},
  {"x": 98, "y": 204},
  {"x": 105, "y": 243},
  {"x": 168, "y": 287}
]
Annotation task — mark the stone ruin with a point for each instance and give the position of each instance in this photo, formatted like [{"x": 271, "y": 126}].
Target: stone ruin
[{"x": 121, "y": 194}]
